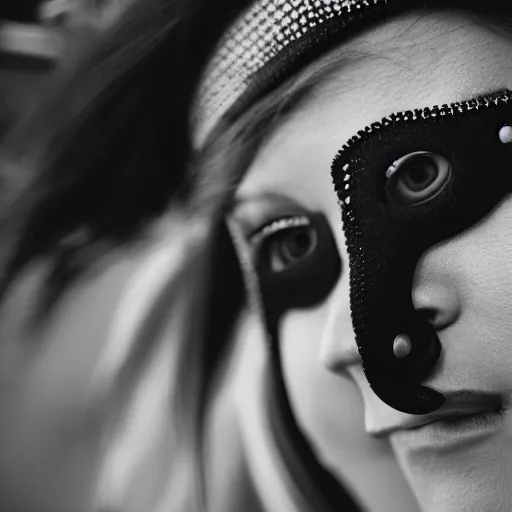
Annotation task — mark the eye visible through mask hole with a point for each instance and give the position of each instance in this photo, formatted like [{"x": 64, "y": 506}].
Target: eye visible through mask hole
[
  {"x": 296, "y": 260},
  {"x": 416, "y": 177},
  {"x": 285, "y": 242}
]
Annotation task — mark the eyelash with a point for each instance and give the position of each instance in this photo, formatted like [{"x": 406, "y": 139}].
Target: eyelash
[
  {"x": 291, "y": 253},
  {"x": 277, "y": 226}
]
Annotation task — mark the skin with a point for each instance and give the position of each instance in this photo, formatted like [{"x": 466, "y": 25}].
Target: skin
[
  {"x": 52, "y": 429},
  {"x": 414, "y": 61}
]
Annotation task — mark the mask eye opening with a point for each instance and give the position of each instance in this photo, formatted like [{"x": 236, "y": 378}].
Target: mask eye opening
[{"x": 416, "y": 178}]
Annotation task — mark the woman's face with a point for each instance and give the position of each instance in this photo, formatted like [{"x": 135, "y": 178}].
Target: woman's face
[{"x": 414, "y": 61}]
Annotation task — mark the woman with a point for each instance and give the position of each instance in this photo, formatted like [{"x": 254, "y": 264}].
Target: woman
[{"x": 264, "y": 149}]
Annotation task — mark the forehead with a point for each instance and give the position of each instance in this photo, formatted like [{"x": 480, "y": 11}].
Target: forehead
[{"x": 414, "y": 61}]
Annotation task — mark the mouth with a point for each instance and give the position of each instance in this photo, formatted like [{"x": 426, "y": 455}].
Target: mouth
[{"x": 463, "y": 412}]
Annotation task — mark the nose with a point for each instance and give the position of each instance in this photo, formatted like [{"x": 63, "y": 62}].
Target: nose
[
  {"x": 338, "y": 346},
  {"x": 435, "y": 294}
]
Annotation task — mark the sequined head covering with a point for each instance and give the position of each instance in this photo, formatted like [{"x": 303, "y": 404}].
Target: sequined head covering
[{"x": 269, "y": 43}]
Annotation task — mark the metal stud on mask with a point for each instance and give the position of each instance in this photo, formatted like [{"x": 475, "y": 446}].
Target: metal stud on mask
[{"x": 405, "y": 184}]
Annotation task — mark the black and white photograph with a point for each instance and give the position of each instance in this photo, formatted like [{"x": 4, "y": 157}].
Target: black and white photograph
[{"x": 255, "y": 256}]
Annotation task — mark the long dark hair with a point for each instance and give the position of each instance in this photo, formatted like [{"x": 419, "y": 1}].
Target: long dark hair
[
  {"x": 109, "y": 151},
  {"x": 105, "y": 153}
]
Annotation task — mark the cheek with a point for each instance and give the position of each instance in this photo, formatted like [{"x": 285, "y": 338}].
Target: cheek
[
  {"x": 477, "y": 349},
  {"x": 318, "y": 397},
  {"x": 328, "y": 406},
  {"x": 329, "y": 409},
  {"x": 486, "y": 258}
]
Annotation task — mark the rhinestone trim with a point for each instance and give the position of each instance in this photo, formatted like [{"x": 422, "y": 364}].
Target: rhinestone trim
[{"x": 264, "y": 32}]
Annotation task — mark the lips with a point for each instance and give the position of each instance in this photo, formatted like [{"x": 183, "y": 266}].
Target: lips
[{"x": 458, "y": 406}]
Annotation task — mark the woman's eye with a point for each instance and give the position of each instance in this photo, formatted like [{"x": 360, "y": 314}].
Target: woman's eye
[
  {"x": 416, "y": 178},
  {"x": 297, "y": 261},
  {"x": 285, "y": 243},
  {"x": 288, "y": 247}
]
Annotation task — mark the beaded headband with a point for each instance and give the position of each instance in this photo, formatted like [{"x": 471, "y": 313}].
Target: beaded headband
[{"x": 269, "y": 43}]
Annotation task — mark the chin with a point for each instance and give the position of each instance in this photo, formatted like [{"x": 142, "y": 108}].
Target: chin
[{"x": 453, "y": 467}]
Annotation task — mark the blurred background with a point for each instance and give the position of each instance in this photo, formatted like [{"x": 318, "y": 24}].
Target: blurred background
[{"x": 34, "y": 36}]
